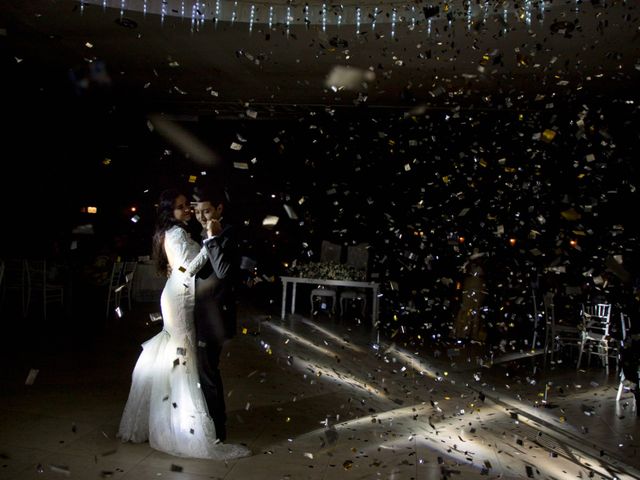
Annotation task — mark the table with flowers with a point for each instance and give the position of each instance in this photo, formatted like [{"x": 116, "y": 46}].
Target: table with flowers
[{"x": 329, "y": 274}]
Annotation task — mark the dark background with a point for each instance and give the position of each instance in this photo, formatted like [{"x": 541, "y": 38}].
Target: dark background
[{"x": 399, "y": 175}]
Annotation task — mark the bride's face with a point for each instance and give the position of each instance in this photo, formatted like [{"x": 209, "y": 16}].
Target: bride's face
[{"x": 182, "y": 209}]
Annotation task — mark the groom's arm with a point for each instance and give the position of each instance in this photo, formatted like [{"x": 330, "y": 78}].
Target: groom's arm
[{"x": 221, "y": 258}]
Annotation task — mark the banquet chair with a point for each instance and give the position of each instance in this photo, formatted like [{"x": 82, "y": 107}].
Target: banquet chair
[
  {"x": 41, "y": 285},
  {"x": 329, "y": 253},
  {"x": 596, "y": 322},
  {"x": 115, "y": 287},
  {"x": 128, "y": 272},
  {"x": 558, "y": 334},
  {"x": 358, "y": 258}
]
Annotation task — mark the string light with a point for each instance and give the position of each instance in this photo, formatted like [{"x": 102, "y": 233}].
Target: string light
[
  {"x": 233, "y": 14},
  {"x": 393, "y": 23},
  {"x": 505, "y": 17},
  {"x": 324, "y": 17},
  {"x": 524, "y": 11},
  {"x": 251, "y": 17}
]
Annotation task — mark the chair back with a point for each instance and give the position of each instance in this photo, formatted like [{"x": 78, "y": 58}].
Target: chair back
[
  {"x": 358, "y": 256},
  {"x": 116, "y": 279},
  {"x": 116, "y": 285},
  {"x": 549, "y": 309},
  {"x": 41, "y": 276},
  {"x": 15, "y": 273},
  {"x": 41, "y": 282},
  {"x": 37, "y": 274},
  {"x": 597, "y": 319},
  {"x": 129, "y": 270},
  {"x": 330, "y": 252},
  {"x": 625, "y": 325}
]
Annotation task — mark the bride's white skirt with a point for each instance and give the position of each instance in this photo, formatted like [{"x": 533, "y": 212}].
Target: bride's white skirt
[{"x": 166, "y": 405}]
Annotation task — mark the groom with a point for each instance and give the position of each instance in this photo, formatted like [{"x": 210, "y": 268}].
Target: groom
[{"x": 215, "y": 309}]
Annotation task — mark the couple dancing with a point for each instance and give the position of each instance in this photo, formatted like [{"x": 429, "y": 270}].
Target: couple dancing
[{"x": 176, "y": 400}]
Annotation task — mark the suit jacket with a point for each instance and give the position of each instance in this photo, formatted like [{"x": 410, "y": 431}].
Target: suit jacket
[{"x": 215, "y": 302}]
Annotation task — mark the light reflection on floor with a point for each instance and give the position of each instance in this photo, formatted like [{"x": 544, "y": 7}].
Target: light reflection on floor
[{"x": 314, "y": 398}]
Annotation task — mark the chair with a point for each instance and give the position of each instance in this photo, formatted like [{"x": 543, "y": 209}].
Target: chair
[
  {"x": 558, "y": 334},
  {"x": 128, "y": 272},
  {"x": 15, "y": 281},
  {"x": 596, "y": 321},
  {"x": 115, "y": 286},
  {"x": 329, "y": 252},
  {"x": 358, "y": 258},
  {"x": 40, "y": 284}
]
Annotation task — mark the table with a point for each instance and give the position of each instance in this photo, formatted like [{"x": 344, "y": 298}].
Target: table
[{"x": 294, "y": 281}]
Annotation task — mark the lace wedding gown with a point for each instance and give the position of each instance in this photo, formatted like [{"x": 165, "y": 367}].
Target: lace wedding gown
[{"x": 166, "y": 405}]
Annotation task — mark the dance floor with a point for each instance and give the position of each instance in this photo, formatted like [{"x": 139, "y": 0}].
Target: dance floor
[{"x": 314, "y": 398}]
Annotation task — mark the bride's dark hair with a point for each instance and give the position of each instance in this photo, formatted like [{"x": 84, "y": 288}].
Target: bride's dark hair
[{"x": 164, "y": 221}]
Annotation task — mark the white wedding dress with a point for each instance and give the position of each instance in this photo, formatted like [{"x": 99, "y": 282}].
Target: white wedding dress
[{"x": 166, "y": 405}]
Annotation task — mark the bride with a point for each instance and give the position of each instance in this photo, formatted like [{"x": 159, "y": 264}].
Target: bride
[{"x": 166, "y": 405}]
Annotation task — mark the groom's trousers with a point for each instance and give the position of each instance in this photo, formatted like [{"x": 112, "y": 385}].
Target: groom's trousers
[{"x": 211, "y": 385}]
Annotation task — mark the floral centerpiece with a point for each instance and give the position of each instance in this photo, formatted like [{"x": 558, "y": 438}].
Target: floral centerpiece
[{"x": 327, "y": 270}]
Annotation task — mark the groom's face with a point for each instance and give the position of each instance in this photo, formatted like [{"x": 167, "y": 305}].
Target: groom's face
[{"x": 206, "y": 211}]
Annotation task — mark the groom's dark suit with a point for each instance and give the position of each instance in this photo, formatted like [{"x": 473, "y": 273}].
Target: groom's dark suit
[{"x": 215, "y": 319}]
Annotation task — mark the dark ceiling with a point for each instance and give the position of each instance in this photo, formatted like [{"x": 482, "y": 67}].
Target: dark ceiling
[
  {"x": 78, "y": 84},
  {"x": 569, "y": 48}
]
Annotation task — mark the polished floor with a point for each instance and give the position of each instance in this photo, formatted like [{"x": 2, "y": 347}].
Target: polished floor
[{"x": 314, "y": 398}]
